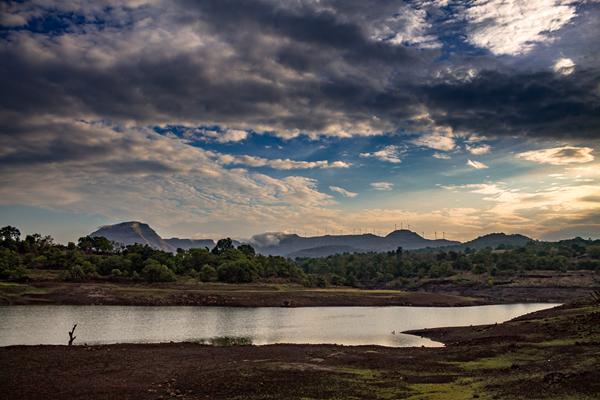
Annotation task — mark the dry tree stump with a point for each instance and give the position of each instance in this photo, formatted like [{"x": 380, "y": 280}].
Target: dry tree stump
[{"x": 71, "y": 337}]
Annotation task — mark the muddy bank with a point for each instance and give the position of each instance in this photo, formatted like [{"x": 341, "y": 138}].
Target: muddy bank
[
  {"x": 53, "y": 292},
  {"x": 532, "y": 287},
  {"x": 552, "y": 354},
  {"x": 470, "y": 290}
]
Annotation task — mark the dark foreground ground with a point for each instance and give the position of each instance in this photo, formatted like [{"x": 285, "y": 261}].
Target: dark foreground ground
[{"x": 552, "y": 354}]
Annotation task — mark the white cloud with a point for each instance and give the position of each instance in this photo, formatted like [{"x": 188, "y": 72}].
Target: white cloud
[
  {"x": 441, "y": 156},
  {"x": 564, "y": 66},
  {"x": 137, "y": 174},
  {"x": 515, "y": 26},
  {"x": 276, "y": 163},
  {"x": 342, "y": 191},
  {"x": 382, "y": 185},
  {"x": 442, "y": 138},
  {"x": 559, "y": 155},
  {"x": 476, "y": 164},
  {"x": 225, "y": 136},
  {"x": 389, "y": 153},
  {"x": 479, "y": 150},
  {"x": 407, "y": 27},
  {"x": 536, "y": 212}
]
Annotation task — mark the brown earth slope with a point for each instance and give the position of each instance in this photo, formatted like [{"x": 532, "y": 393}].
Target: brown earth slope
[
  {"x": 247, "y": 295},
  {"x": 44, "y": 287}
]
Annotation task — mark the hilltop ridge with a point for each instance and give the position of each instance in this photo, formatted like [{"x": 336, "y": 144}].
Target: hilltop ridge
[{"x": 293, "y": 245}]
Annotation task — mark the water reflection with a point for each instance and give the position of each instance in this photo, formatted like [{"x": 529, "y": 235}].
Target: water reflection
[{"x": 342, "y": 325}]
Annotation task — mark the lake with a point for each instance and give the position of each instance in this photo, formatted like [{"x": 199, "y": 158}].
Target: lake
[{"x": 30, "y": 325}]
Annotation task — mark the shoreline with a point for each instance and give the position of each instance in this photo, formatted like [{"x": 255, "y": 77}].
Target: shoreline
[
  {"x": 548, "y": 354},
  {"x": 276, "y": 295}
]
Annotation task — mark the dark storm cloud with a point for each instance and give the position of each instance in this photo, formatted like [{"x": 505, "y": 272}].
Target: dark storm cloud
[
  {"x": 297, "y": 66},
  {"x": 538, "y": 104},
  {"x": 161, "y": 89},
  {"x": 305, "y": 25}
]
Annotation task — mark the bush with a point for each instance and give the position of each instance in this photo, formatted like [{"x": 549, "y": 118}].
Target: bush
[
  {"x": 238, "y": 271},
  {"x": 116, "y": 273},
  {"x": 208, "y": 274},
  {"x": 10, "y": 265},
  {"x": 75, "y": 273},
  {"x": 156, "y": 272},
  {"x": 479, "y": 269},
  {"x": 89, "y": 270}
]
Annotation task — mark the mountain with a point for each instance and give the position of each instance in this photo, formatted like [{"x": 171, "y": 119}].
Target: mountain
[
  {"x": 132, "y": 232},
  {"x": 138, "y": 232},
  {"x": 292, "y": 245},
  {"x": 319, "y": 246},
  {"x": 187, "y": 244},
  {"x": 494, "y": 240}
]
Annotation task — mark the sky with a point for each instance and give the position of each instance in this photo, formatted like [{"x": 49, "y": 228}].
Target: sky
[{"x": 219, "y": 118}]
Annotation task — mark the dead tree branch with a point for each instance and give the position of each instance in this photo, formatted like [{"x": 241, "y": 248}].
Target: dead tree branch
[{"x": 71, "y": 337}]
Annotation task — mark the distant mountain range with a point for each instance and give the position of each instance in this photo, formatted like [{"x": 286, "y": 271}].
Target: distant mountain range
[
  {"x": 138, "y": 232},
  {"x": 318, "y": 246},
  {"x": 292, "y": 245}
]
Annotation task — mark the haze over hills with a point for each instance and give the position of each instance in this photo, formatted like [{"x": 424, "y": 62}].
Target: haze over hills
[{"x": 292, "y": 245}]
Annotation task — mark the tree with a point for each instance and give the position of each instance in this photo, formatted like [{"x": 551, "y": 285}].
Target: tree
[
  {"x": 157, "y": 272},
  {"x": 97, "y": 244},
  {"x": 594, "y": 251},
  {"x": 10, "y": 234},
  {"x": 208, "y": 274},
  {"x": 222, "y": 246},
  {"x": 238, "y": 271},
  {"x": 10, "y": 265},
  {"x": 247, "y": 250}
]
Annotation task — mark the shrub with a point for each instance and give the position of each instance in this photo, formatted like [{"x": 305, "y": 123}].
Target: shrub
[
  {"x": 156, "y": 272},
  {"x": 10, "y": 265},
  {"x": 208, "y": 274},
  {"x": 116, "y": 272},
  {"x": 75, "y": 273},
  {"x": 238, "y": 271}
]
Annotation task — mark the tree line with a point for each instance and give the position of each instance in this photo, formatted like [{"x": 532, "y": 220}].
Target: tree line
[{"x": 98, "y": 258}]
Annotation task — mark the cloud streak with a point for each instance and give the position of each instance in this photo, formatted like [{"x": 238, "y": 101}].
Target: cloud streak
[
  {"x": 382, "y": 186},
  {"x": 559, "y": 155},
  {"x": 389, "y": 153},
  {"x": 476, "y": 164},
  {"x": 342, "y": 191}
]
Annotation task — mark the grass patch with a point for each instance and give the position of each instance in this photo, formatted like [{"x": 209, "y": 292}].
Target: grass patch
[
  {"x": 367, "y": 374},
  {"x": 487, "y": 363},
  {"x": 19, "y": 288},
  {"x": 461, "y": 389}
]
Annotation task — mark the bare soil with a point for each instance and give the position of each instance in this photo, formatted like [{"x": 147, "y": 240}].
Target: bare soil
[
  {"x": 551, "y": 354},
  {"x": 186, "y": 294},
  {"x": 461, "y": 290}
]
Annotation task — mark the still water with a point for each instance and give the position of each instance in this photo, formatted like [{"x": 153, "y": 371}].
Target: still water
[{"x": 31, "y": 325}]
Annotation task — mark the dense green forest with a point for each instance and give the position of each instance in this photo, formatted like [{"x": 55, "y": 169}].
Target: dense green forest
[{"x": 98, "y": 258}]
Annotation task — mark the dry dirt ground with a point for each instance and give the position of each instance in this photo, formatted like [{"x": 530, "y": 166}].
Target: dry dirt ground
[
  {"x": 552, "y": 354},
  {"x": 467, "y": 289},
  {"x": 193, "y": 294}
]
